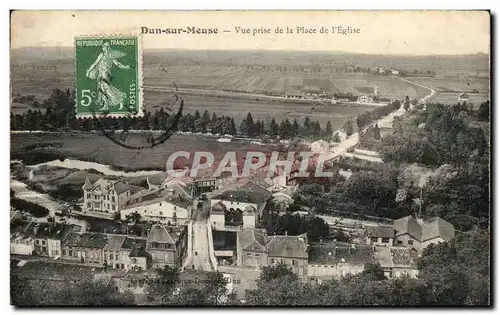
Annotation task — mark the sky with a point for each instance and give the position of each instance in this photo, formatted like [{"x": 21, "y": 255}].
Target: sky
[{"x": 380, "y": 32}]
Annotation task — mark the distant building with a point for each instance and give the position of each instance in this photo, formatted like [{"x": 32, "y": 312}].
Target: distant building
[
  {"x": 395, "y": 72},
  {"x": 463, "y": 97},
  {"x": 379, "y": 235},
  {"x": 84, "y": 248},
  {"x": 294, "y": 95},
  {"x": 238, "y": 208},
  {"x": 412, "y": 233},
  {"x": 365, "y": 99},
  {"x": 107, "y": 195}
]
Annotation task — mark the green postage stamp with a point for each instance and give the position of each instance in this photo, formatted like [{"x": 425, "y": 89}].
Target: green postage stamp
[{"x": 108, "y": 76}]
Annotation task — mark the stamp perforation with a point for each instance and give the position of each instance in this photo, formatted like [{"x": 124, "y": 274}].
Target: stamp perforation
[{"x": 139, "y": 77}]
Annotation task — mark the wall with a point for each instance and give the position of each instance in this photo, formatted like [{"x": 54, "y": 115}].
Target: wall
[
  {"x": 402, "y": 272},
  {"x": 233, "y": 204},
  {"x": 53, "y": 247},
  {"x": 20, "y": 247},
  {"x": 217, "y": 221},
  {"x": 211, "y": 252},
  {"x": 161, "y": 211},
  {"x": 189, "y": 257},
  {"x": 253, "y": 259},
  {"x": 249, "y": 221},
  {"x": 379, "y": 242},
  {"x": 334, "y": 270},
  {"x": 405, "y": 238}
]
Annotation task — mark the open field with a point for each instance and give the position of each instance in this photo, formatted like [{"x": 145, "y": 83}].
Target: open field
[{"x": 95, "y": 147}]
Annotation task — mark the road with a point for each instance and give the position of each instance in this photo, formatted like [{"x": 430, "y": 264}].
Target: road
[
  {"x": 350, "y": 142},
  {"x": 201, "y": 256}
]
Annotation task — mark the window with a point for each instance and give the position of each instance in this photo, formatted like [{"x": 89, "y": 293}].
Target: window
[
  {"x": 114, "y": 207},
  {"x": 272, "y": 260},
  {"x": 70, "y": 253},
  {"x": 410, "y": 242},
  {"x": 113, "y": 198},
  {"x": 400, "y": 242},
  {"x": 385, "y": 240},
  {"x": 108, "y": 205},
  {"x": 249, "y": 254},
  {"x": 37, "y": 242},
  {"x": 89, "y": 205},
  {"x": 161, "y": 213},
  {"x": 257, "y": 255},
  {"x": 43, "y": 242},
  {"x": 88, "y": 196},
  {"x": 374, "y": 239},
  {"x": 116, "y": 256},
  {"x": 64, "y": 252},
  {"x": 117, "y": 266},
  {"x": 294, "y": 262}
]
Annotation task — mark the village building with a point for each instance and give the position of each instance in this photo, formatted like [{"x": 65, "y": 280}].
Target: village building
[
  {"x": 21, "y": 238},
  {"x": 252, "y": 248},
  {"x": 412, "y": 233},
  {"x": 379, "y": 235},
  {"x": 113, "y": 257},
  {"x": 397, "y": 261},
  {"x": 108, "y": 195},
  {"x": 333, "y": 260},
  {"x": 289, "y": 250},
  {"x": 365, "y": 99},
  {"x": 135, "y": 251},
  {"x": 166, "y": 245},
  {"x": 168, "y": 206},
  {"x": 85, "y": 248},
  {"x": 463, "y": 97},
  {"x": 294, "y": 95}
]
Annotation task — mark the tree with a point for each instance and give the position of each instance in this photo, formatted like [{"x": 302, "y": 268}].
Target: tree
[
  {"x": 376, "y": 132},
  {"x": 329, "y": 131},
  {"x": 373, "y": 272},
  {"x": 295, "y": 128},
  {"x": 279, "y": 271},
  {"x": 349, "y": 127},
  {"x": 215, "y": 290},
  {"x": 273, "y": 128},
  {"x": 160, "y": 289},
  {"x": 483, "y": 112}
]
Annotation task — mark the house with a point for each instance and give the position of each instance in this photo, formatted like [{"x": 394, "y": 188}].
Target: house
[
  {"x": 168, "y": 206},
  {"x": 365, "y": 99},
  {"x": 113, "y": 257},
  {"x": 412, "y": 233},
  {"x": 320, "y": 146},
  {"x": 205, "y": 181},
  {"x": 85, "y": 248},
  {"x": 134, "y": 254},
  {"x": 408, "y": 232},
  {"x": 251, "y": 248},
  {"x": 294, "y": 95},
  {"x": 48, "y": 236},
  {"x": 242, "y": 207},
  {"x": 167, "y": 246},
  {"x": 333, "y": 260},
  {"x": 105, "y": 195},
  {"x": 463, "y": 97},
  {"x": 283, "y": 199},
  {"x": 21, "y": 238},
  {"x": 397, "y": 261},
  {"x": 379, "y": 235},
  {"x": 289, "y": 250}
]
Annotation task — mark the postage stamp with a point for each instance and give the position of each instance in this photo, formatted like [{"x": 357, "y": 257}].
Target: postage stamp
[{"x": 108, "y": 76}]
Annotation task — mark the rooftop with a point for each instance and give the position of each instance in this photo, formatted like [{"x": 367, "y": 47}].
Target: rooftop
[
  {"x": 252, "y": 239},
  {"x": 333, "y": 253},
  {"x": 437, "y": 227},
  {"x": 114, "y": 241},
  {"x": 93, "y": 240},
  {"x": 288, "y": 246},
  {"x": 380, "y": 231}
]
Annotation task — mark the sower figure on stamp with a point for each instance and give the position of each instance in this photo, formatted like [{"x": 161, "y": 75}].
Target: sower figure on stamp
[{"x": 100, "y": 71}]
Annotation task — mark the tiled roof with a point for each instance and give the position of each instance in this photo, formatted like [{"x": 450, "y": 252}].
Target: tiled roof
[
  {"x": 53, "y": 231},
  {"x": 121, "y": 187},
  {"x": 241, "y": 196},
  {"x": 71, "y": 239},
  {"x": 92, "y": 240},
  {"x": 380, "y": 231},
  {"x": 252, "y": 239},
  {"x": 219, "y": 207},
  {"x": 408, "y": 225},
  {"x": 130, "y": 242},
  {"x": 437, "y": 227},
  {"x": 288, "y": 246},
  {"x": 114, "y": 242},
  {"x": 159, "y": 234},
  {"x": 137, "y": 246},
  {"x": 332, "y": 253}
]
